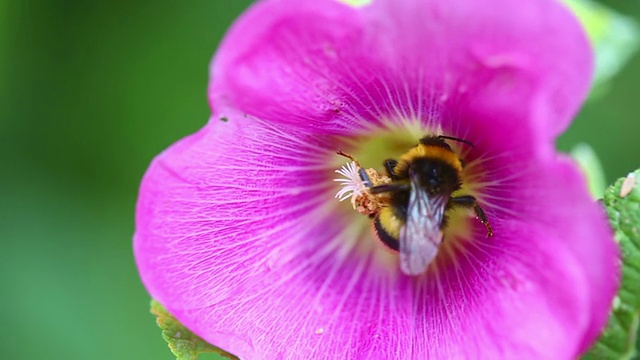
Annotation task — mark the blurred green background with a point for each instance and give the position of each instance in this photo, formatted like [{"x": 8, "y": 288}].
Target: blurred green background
[{"x": 89, "y": 93}]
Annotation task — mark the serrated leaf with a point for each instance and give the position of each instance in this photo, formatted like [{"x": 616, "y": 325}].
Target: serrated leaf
[
  {"x": 614, "y": 38},
  {"x": 184, "y": 344},
  {"x": 618, "y": 341}
]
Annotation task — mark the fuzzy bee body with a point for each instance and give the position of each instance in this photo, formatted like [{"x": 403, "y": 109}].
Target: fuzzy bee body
[{"x": 417, "y": 193}]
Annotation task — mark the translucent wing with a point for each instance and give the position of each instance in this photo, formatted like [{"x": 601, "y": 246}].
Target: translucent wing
[{"x": 421, "y": 236}]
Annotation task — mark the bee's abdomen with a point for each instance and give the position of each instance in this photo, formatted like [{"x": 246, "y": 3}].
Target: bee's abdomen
[
  {"x": 383, "y": 235},
  {"x": 387, "y": 228}
]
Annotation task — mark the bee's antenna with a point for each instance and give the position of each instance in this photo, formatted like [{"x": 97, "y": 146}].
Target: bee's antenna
[{"x": 456, "y": 139}]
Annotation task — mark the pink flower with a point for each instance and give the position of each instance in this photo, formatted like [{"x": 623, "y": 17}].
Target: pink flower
[{"x": 239, "y": 235}]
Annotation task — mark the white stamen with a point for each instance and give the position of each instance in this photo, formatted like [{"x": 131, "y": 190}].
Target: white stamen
[{"x": 352, "y": 185}]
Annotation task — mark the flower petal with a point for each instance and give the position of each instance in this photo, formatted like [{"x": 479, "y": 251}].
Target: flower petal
[
  {"x": 549, "y": 192},
  {"x": 327, "y": 64},
  {"x": 236, "y": 183},
  {"x": 278, "y": 61},
  {"x": 567, "y": 207},
  {"x": 239, "y": 236},
  {"x": 233, "y": 238}
]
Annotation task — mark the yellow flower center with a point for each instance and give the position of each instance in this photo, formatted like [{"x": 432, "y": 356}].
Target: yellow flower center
[{"x": 369, "y": 150}]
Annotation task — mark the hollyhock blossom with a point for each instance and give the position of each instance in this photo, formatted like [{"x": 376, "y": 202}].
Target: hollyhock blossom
[{"x": 239, "y": 233}]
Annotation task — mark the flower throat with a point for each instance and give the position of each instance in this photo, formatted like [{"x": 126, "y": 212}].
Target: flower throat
[{"x": 409, "y": 203}]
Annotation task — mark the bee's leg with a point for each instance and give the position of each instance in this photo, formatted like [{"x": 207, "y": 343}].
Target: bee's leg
[
  {"x": 390, "y": 165},
  {"x": 470, "y": 201},
  {"x": 366, "y": 181},
  {"x": 392, "y": 187}
]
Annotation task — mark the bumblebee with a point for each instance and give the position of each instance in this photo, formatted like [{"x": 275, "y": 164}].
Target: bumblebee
[{"x": 416, "y": 196}]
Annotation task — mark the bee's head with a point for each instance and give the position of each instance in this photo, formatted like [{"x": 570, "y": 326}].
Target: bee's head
[{"x": 435, "y": 175}]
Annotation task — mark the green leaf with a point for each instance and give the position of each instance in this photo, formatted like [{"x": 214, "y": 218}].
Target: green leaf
[
  {"x": 618, "y": 341},
  {"x": 183, "y": 343},
  {"x": 590, "y": 165},
  {"x": 614, "y": 38}
]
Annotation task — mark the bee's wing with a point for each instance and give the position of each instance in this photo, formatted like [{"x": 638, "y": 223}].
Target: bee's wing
[{"x": 421, "y": 235}]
